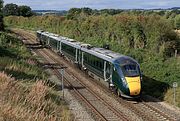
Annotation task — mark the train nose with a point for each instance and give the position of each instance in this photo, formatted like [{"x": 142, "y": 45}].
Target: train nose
[
  {"x": 134, "y": 85},
  {"x": 134, "y": 88}
]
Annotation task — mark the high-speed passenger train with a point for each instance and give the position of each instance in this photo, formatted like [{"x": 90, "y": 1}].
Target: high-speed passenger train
[{"x": 119, "y": 72}]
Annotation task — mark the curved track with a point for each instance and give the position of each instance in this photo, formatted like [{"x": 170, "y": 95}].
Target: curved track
[
  {"x": 93, "y": 101},
  {"x": 100, "y": 107}
]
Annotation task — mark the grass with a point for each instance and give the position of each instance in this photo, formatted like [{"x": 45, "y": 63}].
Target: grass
[
  {"x": 169, "y": 96},
  {"x": 27, "y": 103},
  {"x": 25, "y": 94},
  {"x": 21, "y": 69}
]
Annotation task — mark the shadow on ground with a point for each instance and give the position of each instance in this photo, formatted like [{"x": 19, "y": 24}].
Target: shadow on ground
[
  {"x": 154, "y": 88},
  {"x": 58, "y": 87},
  {"x": 34, "y": 46},
  {"x": 50, "y": 65}
]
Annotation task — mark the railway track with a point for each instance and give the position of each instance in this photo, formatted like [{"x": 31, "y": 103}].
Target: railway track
[
  {"x": 142, "y": 109},
  {"x": 98, "y": 106},
  {"x": 94, "y": 102}
]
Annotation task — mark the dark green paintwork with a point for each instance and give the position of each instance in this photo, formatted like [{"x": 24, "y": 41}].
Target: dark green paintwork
[{"x": 118, "y": 83}]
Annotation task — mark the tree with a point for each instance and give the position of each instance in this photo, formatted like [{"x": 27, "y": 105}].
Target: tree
[
  {"x": 1, "y": 4},
  {"x": 15, "y": 10},
  {"x": 1, "y": 16},
  {"x": 11, "y": 9},
  {"x": 73, "y": 12},
  {"x": 25, "y": 11},
  {"x": 177, "y": 22},
  {"x": 162, "y": 12},
  {"x": 87, "y": 11},
  {"x": 110, "y": 11}
]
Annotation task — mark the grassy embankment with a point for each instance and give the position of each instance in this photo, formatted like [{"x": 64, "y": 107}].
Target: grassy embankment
[
  {"x": 150, "y": 39},
  {"x": 24, "y": 95}
]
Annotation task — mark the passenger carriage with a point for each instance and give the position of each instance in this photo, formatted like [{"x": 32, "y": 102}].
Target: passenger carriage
[{"x": 119, "y": 72}]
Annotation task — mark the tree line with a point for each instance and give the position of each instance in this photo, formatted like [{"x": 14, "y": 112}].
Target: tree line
[
  {"x": 172, "y": 14},
  {"x": 74, "y": 13},
  {"x": 130, "y": 32}
]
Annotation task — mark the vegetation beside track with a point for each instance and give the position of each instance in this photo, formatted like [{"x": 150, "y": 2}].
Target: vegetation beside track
[
  {"x": 150, "y": 39},
  {"x": 25, "y": 96}
]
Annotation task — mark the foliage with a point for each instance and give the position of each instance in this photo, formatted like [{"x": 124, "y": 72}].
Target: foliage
[
  {"x": 152, "y": 32},
  {"x": 1, "y": 16},
  {"x": 10, "y": 9},
  {"x": 20, "y": 102},
  {"x": 1, "y": 22},
  {"x": 25, "y": 95},
  {"x": 110, "y": 11},
  {"x": 13, "y": 9},
  {"x": 73, "y": 13},
  {"x": 14, "y": 59},
  {"x": 12, "y": 47},
  {"x": 169, "y": 96},
  {"x": 25, "y": 11},
  {"x": 177, "y": 21},
  {"x": 150, "y": 39},
  {"x": 1, "y": 4}
]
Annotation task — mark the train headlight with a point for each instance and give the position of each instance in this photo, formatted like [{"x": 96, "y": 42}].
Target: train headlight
[
  {"x": 141, "y": 78},
  {"x": 124, "y": 81}
]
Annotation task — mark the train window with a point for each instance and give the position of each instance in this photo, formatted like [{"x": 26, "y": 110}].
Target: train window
[
  {"x": 98, "y": 64},
  {"x": 91, "y": 59},
  {"x": 85, "y": 58},
  {"x": 88, "y": 59},
  {"x": 70, "y": 50},
  {"x": 94, "y": 62},
  {"x": 101, "y": 65},
  {"x": 53, "y": 43}
]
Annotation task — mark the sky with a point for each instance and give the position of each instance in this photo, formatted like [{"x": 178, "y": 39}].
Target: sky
[{"x": 95, "y": 4}]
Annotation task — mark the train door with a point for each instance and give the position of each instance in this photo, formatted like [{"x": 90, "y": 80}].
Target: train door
[
  {"x": 48, "y": 41},
  {"x": 79, "y": 58},
  {"x": 76, "y": 56},
  {"x": 108, "y": 71},
  {"x": 58, "y": 46},
  {"x": 41, "y": 39}
]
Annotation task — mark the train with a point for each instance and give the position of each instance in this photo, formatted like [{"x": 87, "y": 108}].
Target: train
[{"x": 118, "y": 72}]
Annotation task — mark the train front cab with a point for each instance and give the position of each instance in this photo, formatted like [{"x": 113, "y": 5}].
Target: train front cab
[{"x": 127, "y": 80}]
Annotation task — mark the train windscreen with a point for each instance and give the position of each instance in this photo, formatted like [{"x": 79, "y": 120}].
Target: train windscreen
[{"x": 130, "y": 70}]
